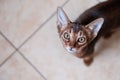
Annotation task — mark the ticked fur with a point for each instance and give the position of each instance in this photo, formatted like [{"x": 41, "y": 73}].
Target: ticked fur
[{"x": 80, "y": 37}]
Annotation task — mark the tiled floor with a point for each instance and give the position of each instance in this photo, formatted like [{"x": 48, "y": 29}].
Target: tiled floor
[{"x": 31, "y": 50}]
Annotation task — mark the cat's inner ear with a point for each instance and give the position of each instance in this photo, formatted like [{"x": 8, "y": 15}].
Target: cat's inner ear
[
  {"x": 95, "y": 26},
  {"x": 62, "y": 19}
]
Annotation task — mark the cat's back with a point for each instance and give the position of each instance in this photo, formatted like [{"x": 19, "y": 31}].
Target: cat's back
[{"x": 109, "y": 10}]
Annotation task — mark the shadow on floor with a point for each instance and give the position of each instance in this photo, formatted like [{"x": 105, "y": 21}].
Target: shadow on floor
[{"x": 105, "y": 44}]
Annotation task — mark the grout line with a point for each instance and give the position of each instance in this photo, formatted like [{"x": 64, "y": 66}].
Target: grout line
[
  {"x": 29, "y": 62},
  {"x": 7, "y": 58},
  {"x": 65, "y": 3},
  {"x": 41, "y": 26},
  {"x": 36, "y": 31},
  {"x": 8, "y": 40}
]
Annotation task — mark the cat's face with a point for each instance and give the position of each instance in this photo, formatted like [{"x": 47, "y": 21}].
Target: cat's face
[
  {"x": 75, "y": 40},
  {"x": 74, "y": 36}
]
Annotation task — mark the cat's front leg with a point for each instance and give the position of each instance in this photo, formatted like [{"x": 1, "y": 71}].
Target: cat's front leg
[
  {"x": 88, "y": 60},
  {"x": 89, "y": 53}
]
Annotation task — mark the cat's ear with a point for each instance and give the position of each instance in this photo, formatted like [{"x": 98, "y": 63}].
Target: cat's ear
[
  {"x": 62, "y": 19},
  {"x": 95, "y": 26}
]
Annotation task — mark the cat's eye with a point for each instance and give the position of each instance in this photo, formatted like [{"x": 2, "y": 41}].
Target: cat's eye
[
  {"x": 81, "y": 39},
  {"x": 66, "y": 36}
]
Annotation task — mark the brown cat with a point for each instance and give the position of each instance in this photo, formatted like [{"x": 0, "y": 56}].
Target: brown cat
[{"x": 79, "y": 37}]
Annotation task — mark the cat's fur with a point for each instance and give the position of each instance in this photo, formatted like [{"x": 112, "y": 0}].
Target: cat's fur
[{"x": 79, "y": 37}]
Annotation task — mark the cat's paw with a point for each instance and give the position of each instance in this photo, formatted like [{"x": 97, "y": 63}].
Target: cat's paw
[{"x": 88, "y": 61}]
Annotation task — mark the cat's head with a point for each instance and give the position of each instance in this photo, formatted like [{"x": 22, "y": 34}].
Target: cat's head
[{"x": 74, "y": 36}]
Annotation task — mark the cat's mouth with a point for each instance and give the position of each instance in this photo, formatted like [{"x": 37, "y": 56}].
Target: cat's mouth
[{"x": 71, "y": 50}]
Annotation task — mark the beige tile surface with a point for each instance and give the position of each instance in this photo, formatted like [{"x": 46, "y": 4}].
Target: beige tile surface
[
  {"x": 45, "y": 51},
  {"x": 5, "y": 49},
  {"x": 17, "y": 68},
  {"x": 20, "y": 18}
]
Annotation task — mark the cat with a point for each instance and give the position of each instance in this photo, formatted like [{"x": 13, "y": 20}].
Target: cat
[{"x": 79, "y": 37}]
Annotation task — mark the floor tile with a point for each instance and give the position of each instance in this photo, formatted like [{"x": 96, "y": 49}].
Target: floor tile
[
  {"x": 20, "y": 18},
  {"x": 5, "y": 49},
  {"x": 16, "y": 68},
  {"x": 76, "y": 7},
  {"x": 46, "y": 52}
]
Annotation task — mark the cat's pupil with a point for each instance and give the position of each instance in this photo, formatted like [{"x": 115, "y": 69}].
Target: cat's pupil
[
  {"x": 66, "y": 36},
  {"x": 81, "y": 39}
]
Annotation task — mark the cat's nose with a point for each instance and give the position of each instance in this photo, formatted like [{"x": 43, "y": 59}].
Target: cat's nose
[{"x": 71, "y": 48}]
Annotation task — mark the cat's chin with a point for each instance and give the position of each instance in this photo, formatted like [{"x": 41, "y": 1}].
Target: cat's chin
[{"x": 71, "y": 52}]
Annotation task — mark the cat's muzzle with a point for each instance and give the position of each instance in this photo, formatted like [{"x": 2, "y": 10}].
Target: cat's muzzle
[{"x": 71, "y": 50}]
